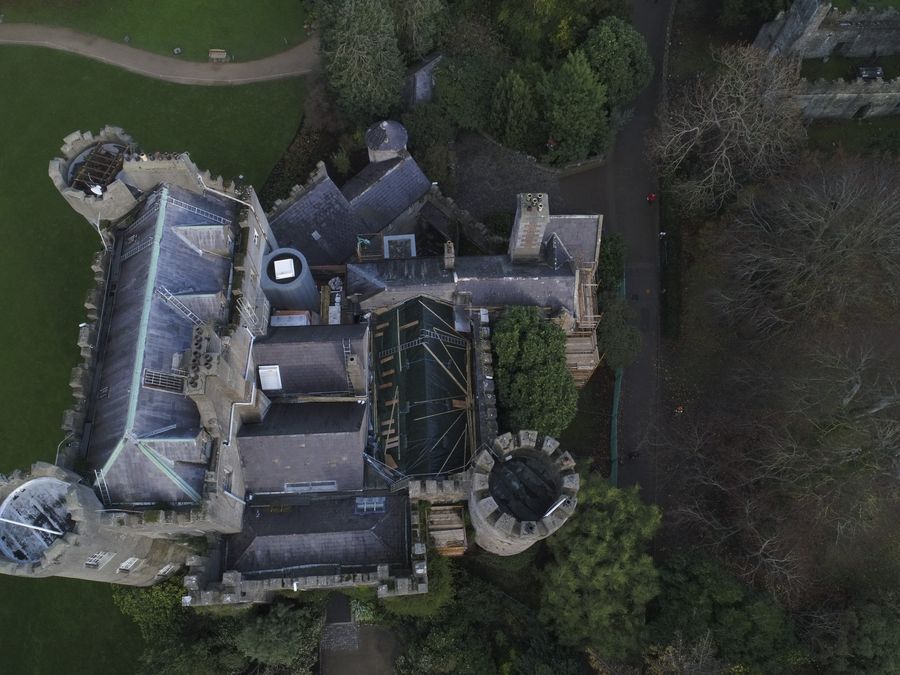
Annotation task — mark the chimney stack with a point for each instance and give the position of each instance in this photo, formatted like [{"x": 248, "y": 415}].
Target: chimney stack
[
  {"x": 532, "y": 218},
  {"x": 449, "y": 255}
]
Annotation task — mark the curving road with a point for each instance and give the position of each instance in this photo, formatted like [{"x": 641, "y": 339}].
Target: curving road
[
  {"x": 299, "y": 60},
  {"x": 618, "y": 189}
]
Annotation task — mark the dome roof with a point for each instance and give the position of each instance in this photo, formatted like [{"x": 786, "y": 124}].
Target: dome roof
[{"x": 386, "y": 135}]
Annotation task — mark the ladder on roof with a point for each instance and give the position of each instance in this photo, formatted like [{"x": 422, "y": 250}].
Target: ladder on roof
[
  {"x": 347, "y": 353},
  {"x": 178, "y": 305},
  {"x": 100, "y": 482},
  {"x": 443, "y": 337},
  {"x": 250, "y": 317},
  {"x": 136, "y": 248},
  {"x": 424, "y": 334},
  {"x": 200, "y": 212}
]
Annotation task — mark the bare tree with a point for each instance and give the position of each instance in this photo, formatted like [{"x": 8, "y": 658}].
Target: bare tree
[
  {"x": 815, "y": 244},
  {"x": 740, "y": 124},
  {"x": 683, "y": 658}
]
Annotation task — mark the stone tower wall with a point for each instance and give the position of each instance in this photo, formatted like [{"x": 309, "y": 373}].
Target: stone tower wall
[{"x": 829, "y": 99}]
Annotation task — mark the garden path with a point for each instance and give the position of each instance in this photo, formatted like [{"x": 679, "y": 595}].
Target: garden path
[{"x": 298, "y": 60}]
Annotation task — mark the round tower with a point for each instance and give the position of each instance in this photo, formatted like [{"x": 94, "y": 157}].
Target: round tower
[
  {"x": 32, "y": 517},
  {"x": 288, "y": 282},
  {"x": 87, "y": 174},
  {"x": 523, "y": 490},
  {"x": 386, "y": 140}
]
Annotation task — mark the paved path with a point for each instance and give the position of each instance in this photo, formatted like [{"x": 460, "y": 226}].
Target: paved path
[
  {"x": 298, "y": 60},
  {"x": 618, "y": 189}
]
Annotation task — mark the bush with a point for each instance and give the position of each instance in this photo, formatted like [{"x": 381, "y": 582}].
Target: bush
[
  {"x": 156, "y": 610},
  {"x": 619, "y": 340},
  {"x": 611, "y": 266},
  {"x": 534, "y": 387},
  {"x": 440, "y": 592},
  {"x": 428, "y": 125}
]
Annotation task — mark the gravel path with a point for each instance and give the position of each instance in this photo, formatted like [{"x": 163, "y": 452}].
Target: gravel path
[{"x": 298, "y": 60}]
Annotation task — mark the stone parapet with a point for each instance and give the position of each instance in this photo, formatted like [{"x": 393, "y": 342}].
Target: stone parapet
[{"x": 840, "y": 99}]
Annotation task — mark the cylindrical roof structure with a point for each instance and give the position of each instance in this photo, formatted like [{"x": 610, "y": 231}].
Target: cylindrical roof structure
[
  {"x": 32, "y": 517},
  {"x": 288, "y": 282}
]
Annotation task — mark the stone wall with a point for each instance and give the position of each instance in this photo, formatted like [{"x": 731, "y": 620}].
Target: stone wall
[
  {"x": 839, "y": 99},
  {"x": 814, "y": 29}
]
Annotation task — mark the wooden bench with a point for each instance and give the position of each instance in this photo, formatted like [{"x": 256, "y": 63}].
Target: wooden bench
[{"x": 218, "y": 55}]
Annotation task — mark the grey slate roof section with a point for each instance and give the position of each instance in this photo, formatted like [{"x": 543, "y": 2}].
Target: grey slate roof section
[
  {"x": 311, "y": 358},
  {"x": 383, "y": 190},
  {"x": 579, "y": 234},
  {"x": 145, "y": 332},
  {"x": 420, "y": 83},
  {"x": 322, "y": 210},
  {"x": 386, "y": 135},
  {"x": 493, "y": 281},
  {"x": 301, "y": 442},
  {"x": 321, "y": 536}
]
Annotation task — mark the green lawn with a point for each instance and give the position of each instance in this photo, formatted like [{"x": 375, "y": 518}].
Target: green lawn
[
  {"x": 247, "y": 30},
  {"x": 839, "y": 67},
  {"x": 863, "y": 4},
  {"x": 873, "y": 135},
  {"x": 55, "y": 625}
]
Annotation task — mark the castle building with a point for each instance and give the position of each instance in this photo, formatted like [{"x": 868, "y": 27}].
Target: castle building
[{"x": 265, "y": 400}]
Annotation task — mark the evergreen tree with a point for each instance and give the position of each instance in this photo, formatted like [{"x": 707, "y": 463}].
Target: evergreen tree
[
  {"x": 361, "y": 56},
  {"x": 600, "y": 578},
  {"x": 619, "y": 56},
  {"x": 534, "y": 388},
  {"x": 575, "y": 110},
  {"x": 419, "y": 25},
  {"x": 513, "y": 113}
]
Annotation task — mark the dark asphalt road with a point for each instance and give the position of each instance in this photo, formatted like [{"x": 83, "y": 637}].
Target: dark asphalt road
[{"x": 618, "y": 190}]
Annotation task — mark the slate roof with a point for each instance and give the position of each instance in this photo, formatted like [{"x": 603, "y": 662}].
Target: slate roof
[
  {"x": 311, "y": 358},
  {"x": 493, "y": 281},
  {"x": 386, "y": 135},
  {"x": 323, "y": 536},
  {"x": 149, "y": 443},
  {"x": 580, "y": 235},
  {"x": 383, "y": 190},
  {"x": 303, "y": 442},
  {"x": 320, "y": 224}
]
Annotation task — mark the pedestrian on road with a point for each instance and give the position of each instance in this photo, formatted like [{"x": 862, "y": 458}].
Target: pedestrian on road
[
  {"x": 651, "y": 197},
  {"x": 662, "y": 234},
  {"x": 679, "y": 409}
]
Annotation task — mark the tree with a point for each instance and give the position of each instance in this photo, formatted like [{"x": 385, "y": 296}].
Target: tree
[
  {"x": 419, "y": 25},
  {"x": 287, "y": 635},
  {"x": 575, "y": 111},
  {"x": 740, "y": 124},
  {"x": 611, "y": 265},
  {"x": 600, "y": 579},
  {"x": 513, "y": 113},
  {"x": 814, "y": 244},
  {"x": 744, "y": 13},
  {"x": 619, "y": 341},
  {"x": 361, "y": 57},
  {"x": 428, "y": 125},
  {"x": 681, "y": 658},
  {"x": 463, "y": 86},
  {"x": 619, "y": 56},
  {"x": 699, "y": 596},
  {"x": 865, "y": 640},
  {"x": 534, "y": 388},
  {"x": 156, "y": 610},
  {"x": 552, "y": 27}
]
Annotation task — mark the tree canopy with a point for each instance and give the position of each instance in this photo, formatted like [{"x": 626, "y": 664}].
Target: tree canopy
[
  {"x": 600, "y": 578},
  {"x": 420, "y": 24},
  {"x": 534, "y": 388},
  {"x": 619, "y": 56},
  {"x": 699, "y": 596},
  {"x": 514, "y": 114},
  {"x": 575, "y": 110},
  {"x": 866, "y": 638},
  {"x": 740, "y": 124},
  {"x": 619, "y": 340},
  {"x": 361, "y": 56}
]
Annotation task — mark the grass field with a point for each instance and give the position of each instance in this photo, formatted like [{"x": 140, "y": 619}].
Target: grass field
[
  {"x": 56, "y": 625},
  {"x": 839, "y": 67},
  {"x": 874, "y": 135},
  {"x": 247, "y": 30}
]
